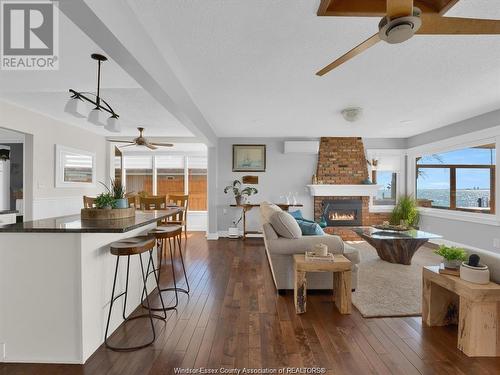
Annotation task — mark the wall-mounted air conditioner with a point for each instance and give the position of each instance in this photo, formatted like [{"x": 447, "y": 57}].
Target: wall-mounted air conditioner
[{"x": 301, "y": 147}]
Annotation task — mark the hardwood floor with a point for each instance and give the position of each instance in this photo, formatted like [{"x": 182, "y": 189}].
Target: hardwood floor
[{"x": 234, "y": 319}]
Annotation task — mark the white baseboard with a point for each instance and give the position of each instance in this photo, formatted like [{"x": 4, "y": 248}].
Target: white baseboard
[{"x": 212, "y": 236}]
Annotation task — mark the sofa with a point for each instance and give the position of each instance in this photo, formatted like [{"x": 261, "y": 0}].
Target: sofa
[{"x": 280, "y": 251}]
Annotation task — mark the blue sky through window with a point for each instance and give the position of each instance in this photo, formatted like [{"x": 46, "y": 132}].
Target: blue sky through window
[{"x": 466, "y": 178}]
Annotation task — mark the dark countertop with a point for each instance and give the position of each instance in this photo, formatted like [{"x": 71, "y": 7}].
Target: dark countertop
[
  {"x": 74, "y": 223},
  {"x": 4, "y": 212}
]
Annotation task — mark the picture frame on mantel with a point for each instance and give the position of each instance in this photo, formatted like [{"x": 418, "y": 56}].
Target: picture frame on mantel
[{"x": 249, "y": 158}]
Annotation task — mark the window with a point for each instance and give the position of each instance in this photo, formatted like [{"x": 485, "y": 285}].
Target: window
[
  {"x": 386, "y": 195},
  {"x": 461, "y": 180},
  {"x": 170, "y": 174},
  {"x": 197, "y": 183},
  {"x": 139, "y": 174}
]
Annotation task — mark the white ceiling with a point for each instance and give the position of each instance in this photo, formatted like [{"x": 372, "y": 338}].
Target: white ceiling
[
  {"x": 46, "y": 92},
  {"x": 249, "y": 65}
]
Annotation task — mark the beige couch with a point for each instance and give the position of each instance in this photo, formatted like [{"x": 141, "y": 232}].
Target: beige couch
[{"x": 280, "y": 251}]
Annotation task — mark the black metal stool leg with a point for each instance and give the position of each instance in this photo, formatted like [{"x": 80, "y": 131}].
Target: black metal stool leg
[
  {"x": 160, "y": 290},
  {"x": 111, "y": 303},
  {"x": 183, "y": 268},
  {"x": 150, "y": 314}
]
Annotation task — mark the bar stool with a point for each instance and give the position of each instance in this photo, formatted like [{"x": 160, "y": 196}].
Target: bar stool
[
  {"x": 127, "y": 247},
  {"x": 170, "y": 234}
]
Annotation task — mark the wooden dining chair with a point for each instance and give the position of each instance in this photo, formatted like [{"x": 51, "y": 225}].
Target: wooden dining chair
[
  {"x": 132, "y": 201},
  {"x": 153, "y": 202},
  {"x": 182, "y": 201},
  {"x": 88, "y": 202}
]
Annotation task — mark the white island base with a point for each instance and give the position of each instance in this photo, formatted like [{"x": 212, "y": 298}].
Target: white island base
[{"x": 55, "y": 290}]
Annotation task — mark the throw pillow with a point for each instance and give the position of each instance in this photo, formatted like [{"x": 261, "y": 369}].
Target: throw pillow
[
  {"x": 297, "y": 214},
  {"x": 285, "y": 225},
  {"x": 267, "y": 209},
  {"x": 310, "y": 228}
]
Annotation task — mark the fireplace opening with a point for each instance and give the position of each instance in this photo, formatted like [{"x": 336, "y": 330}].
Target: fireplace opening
[{"x": 342, "y": 212}]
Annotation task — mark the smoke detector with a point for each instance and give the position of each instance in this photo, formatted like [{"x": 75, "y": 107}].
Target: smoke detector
[{"x": 352, "y": 114}]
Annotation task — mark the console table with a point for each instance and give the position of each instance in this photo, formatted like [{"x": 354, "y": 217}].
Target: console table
[
  {"x": 248, "y": 206},
  {"x": 447, "y": 299}
]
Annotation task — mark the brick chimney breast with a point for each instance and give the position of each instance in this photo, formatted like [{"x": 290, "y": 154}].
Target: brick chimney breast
[{"x": 342, "y": 161}]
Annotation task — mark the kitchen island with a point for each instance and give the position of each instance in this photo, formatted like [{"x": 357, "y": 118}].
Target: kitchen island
[{"x": 56, "y": 276}]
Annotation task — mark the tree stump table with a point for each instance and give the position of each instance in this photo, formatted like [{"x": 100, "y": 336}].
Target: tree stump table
[
  {"x": 342, "y": 280},
  {"x": 395, "y": 246},
  {"x": 448, "y": 299}
]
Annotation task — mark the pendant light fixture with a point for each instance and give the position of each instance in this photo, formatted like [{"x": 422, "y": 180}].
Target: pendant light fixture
[{"x": 96, "y": 115}]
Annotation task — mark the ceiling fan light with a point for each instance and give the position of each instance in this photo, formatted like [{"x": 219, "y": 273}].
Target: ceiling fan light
[
  {"x": 73, "y": 105},
  {"x": 112, "y": 124},
  {"x": 95, "y": 117}
]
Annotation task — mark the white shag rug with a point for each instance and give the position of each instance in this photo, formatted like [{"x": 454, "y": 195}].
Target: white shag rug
[{"x": 387, "y": 289}]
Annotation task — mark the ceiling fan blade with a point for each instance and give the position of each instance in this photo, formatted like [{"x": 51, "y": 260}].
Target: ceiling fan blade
[
  {"x": 119, "y": 141},
  {"x": 399, "y": 8},
  {"x": 371, "y": 41},
  {"x": 132, "y": 144},
  {"x": 433, "y": 24},
  {"x": 150, "y": 146},
  {"x": 162, "y": 144}
]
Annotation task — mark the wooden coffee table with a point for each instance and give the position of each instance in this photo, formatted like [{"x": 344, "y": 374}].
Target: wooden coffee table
[
  {"x": 448, "y": 299},
  {"x": 395, "y": 246},
  {"x": 342, "y": 279}
]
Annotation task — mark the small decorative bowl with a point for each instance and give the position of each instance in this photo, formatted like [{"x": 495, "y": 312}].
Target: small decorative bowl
[{"x": 476, "y": 275}]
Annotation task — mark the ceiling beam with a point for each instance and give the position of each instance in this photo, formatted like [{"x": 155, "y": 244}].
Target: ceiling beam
[{"x": 114, "y": 27}]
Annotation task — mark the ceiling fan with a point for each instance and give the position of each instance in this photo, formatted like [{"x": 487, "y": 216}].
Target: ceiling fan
[
  {"x": 141, "y": 141},
  {"x": 401, "y": 20}
]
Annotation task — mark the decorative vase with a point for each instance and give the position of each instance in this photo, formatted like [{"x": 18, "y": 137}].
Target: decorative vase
[
  {"x": 452, "y": 263},
  {"x": 121, "y": 203},
  {"x": 322, "y": 222},
  {"x": 476, "y": 275},
  {"x": 238, "y": 199},
  {"x": 234, "y": 232}
]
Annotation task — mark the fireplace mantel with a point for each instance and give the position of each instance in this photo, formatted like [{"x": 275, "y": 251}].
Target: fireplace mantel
[{"x": 361, "y": 190}]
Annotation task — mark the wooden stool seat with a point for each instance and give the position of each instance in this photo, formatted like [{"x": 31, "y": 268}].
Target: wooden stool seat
[
  {"x": 132, "y": 246},
  {"x": 166, "y": 231}
]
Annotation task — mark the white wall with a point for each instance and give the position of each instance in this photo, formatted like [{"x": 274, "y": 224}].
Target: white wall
[
  {"x": 46, "y": 133},
  {"x": 284, "y": 173}
]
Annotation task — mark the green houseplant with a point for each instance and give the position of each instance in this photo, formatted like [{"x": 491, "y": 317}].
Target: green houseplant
[
  {"x": 118, "y": 192},
  {"x": 238, "y": 192},
  {"x": 105, "y": 201},
  {"x": 452, "y": 256},
  {"x": 405, "y": 211}
]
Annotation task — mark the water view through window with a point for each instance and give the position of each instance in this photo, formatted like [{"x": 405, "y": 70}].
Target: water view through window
[{"x": 459, "y": 180}]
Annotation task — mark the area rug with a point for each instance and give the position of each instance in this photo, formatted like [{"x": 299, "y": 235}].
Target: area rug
[{"x": 387, "y": 289}]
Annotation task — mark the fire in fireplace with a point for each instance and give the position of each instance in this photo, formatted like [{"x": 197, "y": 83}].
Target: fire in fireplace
[{"x": 340, "y": 212}]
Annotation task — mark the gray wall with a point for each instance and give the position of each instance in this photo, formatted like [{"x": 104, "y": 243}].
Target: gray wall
[
  {"x": 284, "y": 173},
  {"x": 462, "y": 232}
]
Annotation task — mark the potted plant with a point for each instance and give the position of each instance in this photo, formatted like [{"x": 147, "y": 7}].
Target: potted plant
[
  {"x": 238, "y": 192},
  {"x": 118, "y": 192},
  {"x": 406, "y": 211},
  {"x": 105, "y": 201},
  {"x": 452, "y": 256}
]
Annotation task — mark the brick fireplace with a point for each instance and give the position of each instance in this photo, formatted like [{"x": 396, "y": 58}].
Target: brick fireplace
[{"x": 341, "y": 161}]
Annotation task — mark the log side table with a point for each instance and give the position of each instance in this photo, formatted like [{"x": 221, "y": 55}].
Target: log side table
[
  {"x": 342, "y": 279},
  {"x": 447, "y": 299}
]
